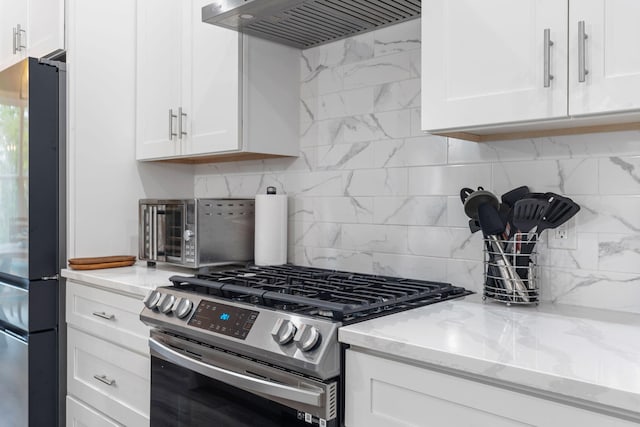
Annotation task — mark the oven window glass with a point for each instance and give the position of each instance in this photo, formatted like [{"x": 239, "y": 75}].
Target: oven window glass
[
  {"x": 173, "y": 228},
  {"x": 183, "y": 398}
]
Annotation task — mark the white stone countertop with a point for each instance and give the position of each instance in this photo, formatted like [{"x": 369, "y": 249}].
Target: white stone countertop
[
  {"x": 588, "y": 356},
  {"x": 136, "y": 280}
]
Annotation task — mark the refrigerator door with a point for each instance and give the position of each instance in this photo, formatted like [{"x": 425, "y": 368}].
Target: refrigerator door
[
  {"x": 29, "y": 171},
  {"x": 14, "y": 307},
  {"x": 14, "y": 170},
  {"x": 29, "y": 310},
  {"x": 14, "y": 380}
]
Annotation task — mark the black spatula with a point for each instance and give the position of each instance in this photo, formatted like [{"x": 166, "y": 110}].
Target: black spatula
[
  {"x": 561, "y": 210},
  {"x": 527, "y": 213}
]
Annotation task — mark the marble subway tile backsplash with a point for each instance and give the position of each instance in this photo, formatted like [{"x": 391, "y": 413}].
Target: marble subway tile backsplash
[{"x": 371, "y": 193}]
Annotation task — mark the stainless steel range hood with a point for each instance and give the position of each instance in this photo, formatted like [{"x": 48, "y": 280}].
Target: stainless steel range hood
[{"x": 307, "y": 23}]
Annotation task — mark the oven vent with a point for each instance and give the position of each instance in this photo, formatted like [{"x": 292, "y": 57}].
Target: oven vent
[
  {"x": 332, "y": 399},
  {"x": 307, "y": 23}
]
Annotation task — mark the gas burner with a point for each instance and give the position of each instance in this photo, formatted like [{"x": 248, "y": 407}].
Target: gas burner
[{"x": 337, "y": 295}]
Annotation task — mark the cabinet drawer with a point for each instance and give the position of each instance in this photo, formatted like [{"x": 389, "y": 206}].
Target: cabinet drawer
[
  {"x": 111, "y": 316},
  {"x": 81, "y": 415},
  {"x": 112, "y": 379}
]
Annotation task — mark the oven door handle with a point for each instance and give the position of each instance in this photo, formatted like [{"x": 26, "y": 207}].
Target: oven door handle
[{"x": 236, "y": 379}]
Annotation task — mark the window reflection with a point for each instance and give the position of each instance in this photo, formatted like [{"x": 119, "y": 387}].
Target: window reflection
[{"x": 14, "y": 171}]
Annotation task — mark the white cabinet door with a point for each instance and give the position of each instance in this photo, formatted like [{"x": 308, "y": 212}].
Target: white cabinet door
[
  {"x": 611, "y": 56},
  {"x": 484, "y": 62},
  {"x": 81, "y": 415},
  {"x": 385, "y": 393},
  {"x": 109, "y": 315},
  {"x": 158, "y": 74},
  {"x": 12, "y": 14},
  {"x": 46, "y": 27},
  {"x": 111, "y": 379},
  {"x": 211, "y": 91}
]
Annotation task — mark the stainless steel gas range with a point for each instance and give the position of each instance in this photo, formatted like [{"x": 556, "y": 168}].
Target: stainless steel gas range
[{"x": 258, "y": 346}]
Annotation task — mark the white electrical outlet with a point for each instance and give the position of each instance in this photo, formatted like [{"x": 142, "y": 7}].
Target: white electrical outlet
[{"x": 563, "y": 237}]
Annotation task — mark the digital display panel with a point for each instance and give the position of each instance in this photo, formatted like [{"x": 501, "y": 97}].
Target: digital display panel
[{"x": 224, "y": 319}]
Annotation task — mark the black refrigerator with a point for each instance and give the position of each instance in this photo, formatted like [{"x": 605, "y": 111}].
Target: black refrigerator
[{"x": 32, "y": 237}]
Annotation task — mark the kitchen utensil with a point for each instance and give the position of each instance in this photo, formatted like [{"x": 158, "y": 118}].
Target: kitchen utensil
[
  {"x": 561, "y": 210},
  {"x": 511, "y": 197},
  {"x": 473, "y": 199},
  {"x": 508, "y": 200},
  {"x": 527, "y": 213},
  {"x": 492, "y": 226},
  {"x": 474, "y": 225}
]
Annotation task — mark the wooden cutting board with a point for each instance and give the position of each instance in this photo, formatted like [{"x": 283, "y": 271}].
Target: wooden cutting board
[{"x": 96, "y": 263}]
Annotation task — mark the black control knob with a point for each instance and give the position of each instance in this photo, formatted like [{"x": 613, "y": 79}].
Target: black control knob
[
  {"x": 152, "y": 299},
  {"x": 166, "y": 304},
  {"x": 307, "y": 338},
  {"x": 283, "y": 331},
  {"x": 182, "y": 308}
]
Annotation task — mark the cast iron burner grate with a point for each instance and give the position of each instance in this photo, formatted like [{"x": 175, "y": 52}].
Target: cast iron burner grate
[{"x": 337, "y": 295}]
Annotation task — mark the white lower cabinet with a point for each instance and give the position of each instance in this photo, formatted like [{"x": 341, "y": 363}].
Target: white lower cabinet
[
  {"x": 108, "y": 366},
  {"x": 386, "y": 393},
  {"x": 81, "y": 415}
]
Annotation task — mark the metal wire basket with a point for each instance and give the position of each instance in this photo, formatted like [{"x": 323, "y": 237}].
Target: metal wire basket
[{"x": 510, "y": 269}]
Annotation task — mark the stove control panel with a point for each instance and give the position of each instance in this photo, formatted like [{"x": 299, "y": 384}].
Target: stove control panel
[
  {"x": 224, "y": 319},
  {"x": 301, "y": 343}
]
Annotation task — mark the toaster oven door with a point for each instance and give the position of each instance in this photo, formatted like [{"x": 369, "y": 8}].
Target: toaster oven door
[{"x": 162, "y": 226}]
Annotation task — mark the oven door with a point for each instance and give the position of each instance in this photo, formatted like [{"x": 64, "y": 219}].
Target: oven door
[
  {"x": 162, "y": 227},
  {"x": 194, "y": 385}
]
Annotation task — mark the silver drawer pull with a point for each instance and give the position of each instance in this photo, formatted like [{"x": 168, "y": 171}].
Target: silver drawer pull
[
  {"x": 104, "y": 315},
  {"x": 547, "y": 57},
  {"x": 582, "y": 61},
  {"x": 104, "y": 379}
]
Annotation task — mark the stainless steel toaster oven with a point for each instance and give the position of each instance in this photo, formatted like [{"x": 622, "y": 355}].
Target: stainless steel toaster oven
[{"x": 196, "y": 232}]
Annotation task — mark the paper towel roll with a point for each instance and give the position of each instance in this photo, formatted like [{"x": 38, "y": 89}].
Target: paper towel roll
[{"x": 271, "y": 228}]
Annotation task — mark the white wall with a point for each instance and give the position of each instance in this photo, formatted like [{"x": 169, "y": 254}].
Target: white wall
[
  {"x": 371, "y": 193},
  {"x": 104, "y": 179}
]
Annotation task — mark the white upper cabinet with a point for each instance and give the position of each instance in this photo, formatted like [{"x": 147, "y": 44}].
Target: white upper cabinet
[
  {"x": 158, "y": 78},
  {"x": 500, "y": 66},
  {"x": 611, "y": 56},
  {"x": 30, "y": 28},
  {"x": 194, "y": 84},
  {"x": 484, "y": 62},
  {"x": 13, "y": 22},
  {"x": 45, "y": 28},
  {"x": 213, "y": 86}
]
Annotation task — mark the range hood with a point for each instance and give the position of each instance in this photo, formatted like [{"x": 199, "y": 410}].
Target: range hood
[{"x": 307, "y": 23}]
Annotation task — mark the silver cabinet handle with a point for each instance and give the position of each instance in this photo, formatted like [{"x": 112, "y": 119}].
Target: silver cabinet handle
[
  {"x": 104, "y": 315},
  {"x": 17, "y": 35},
  {"x": 171, "y": 117},
  {"x": 235, "y": 379},
  {"x": 104, "y": 379},
  {"x": 181, "y": 114},
  {"x": 547, "y": 57},
  {"x": 582, "y": 60}
]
